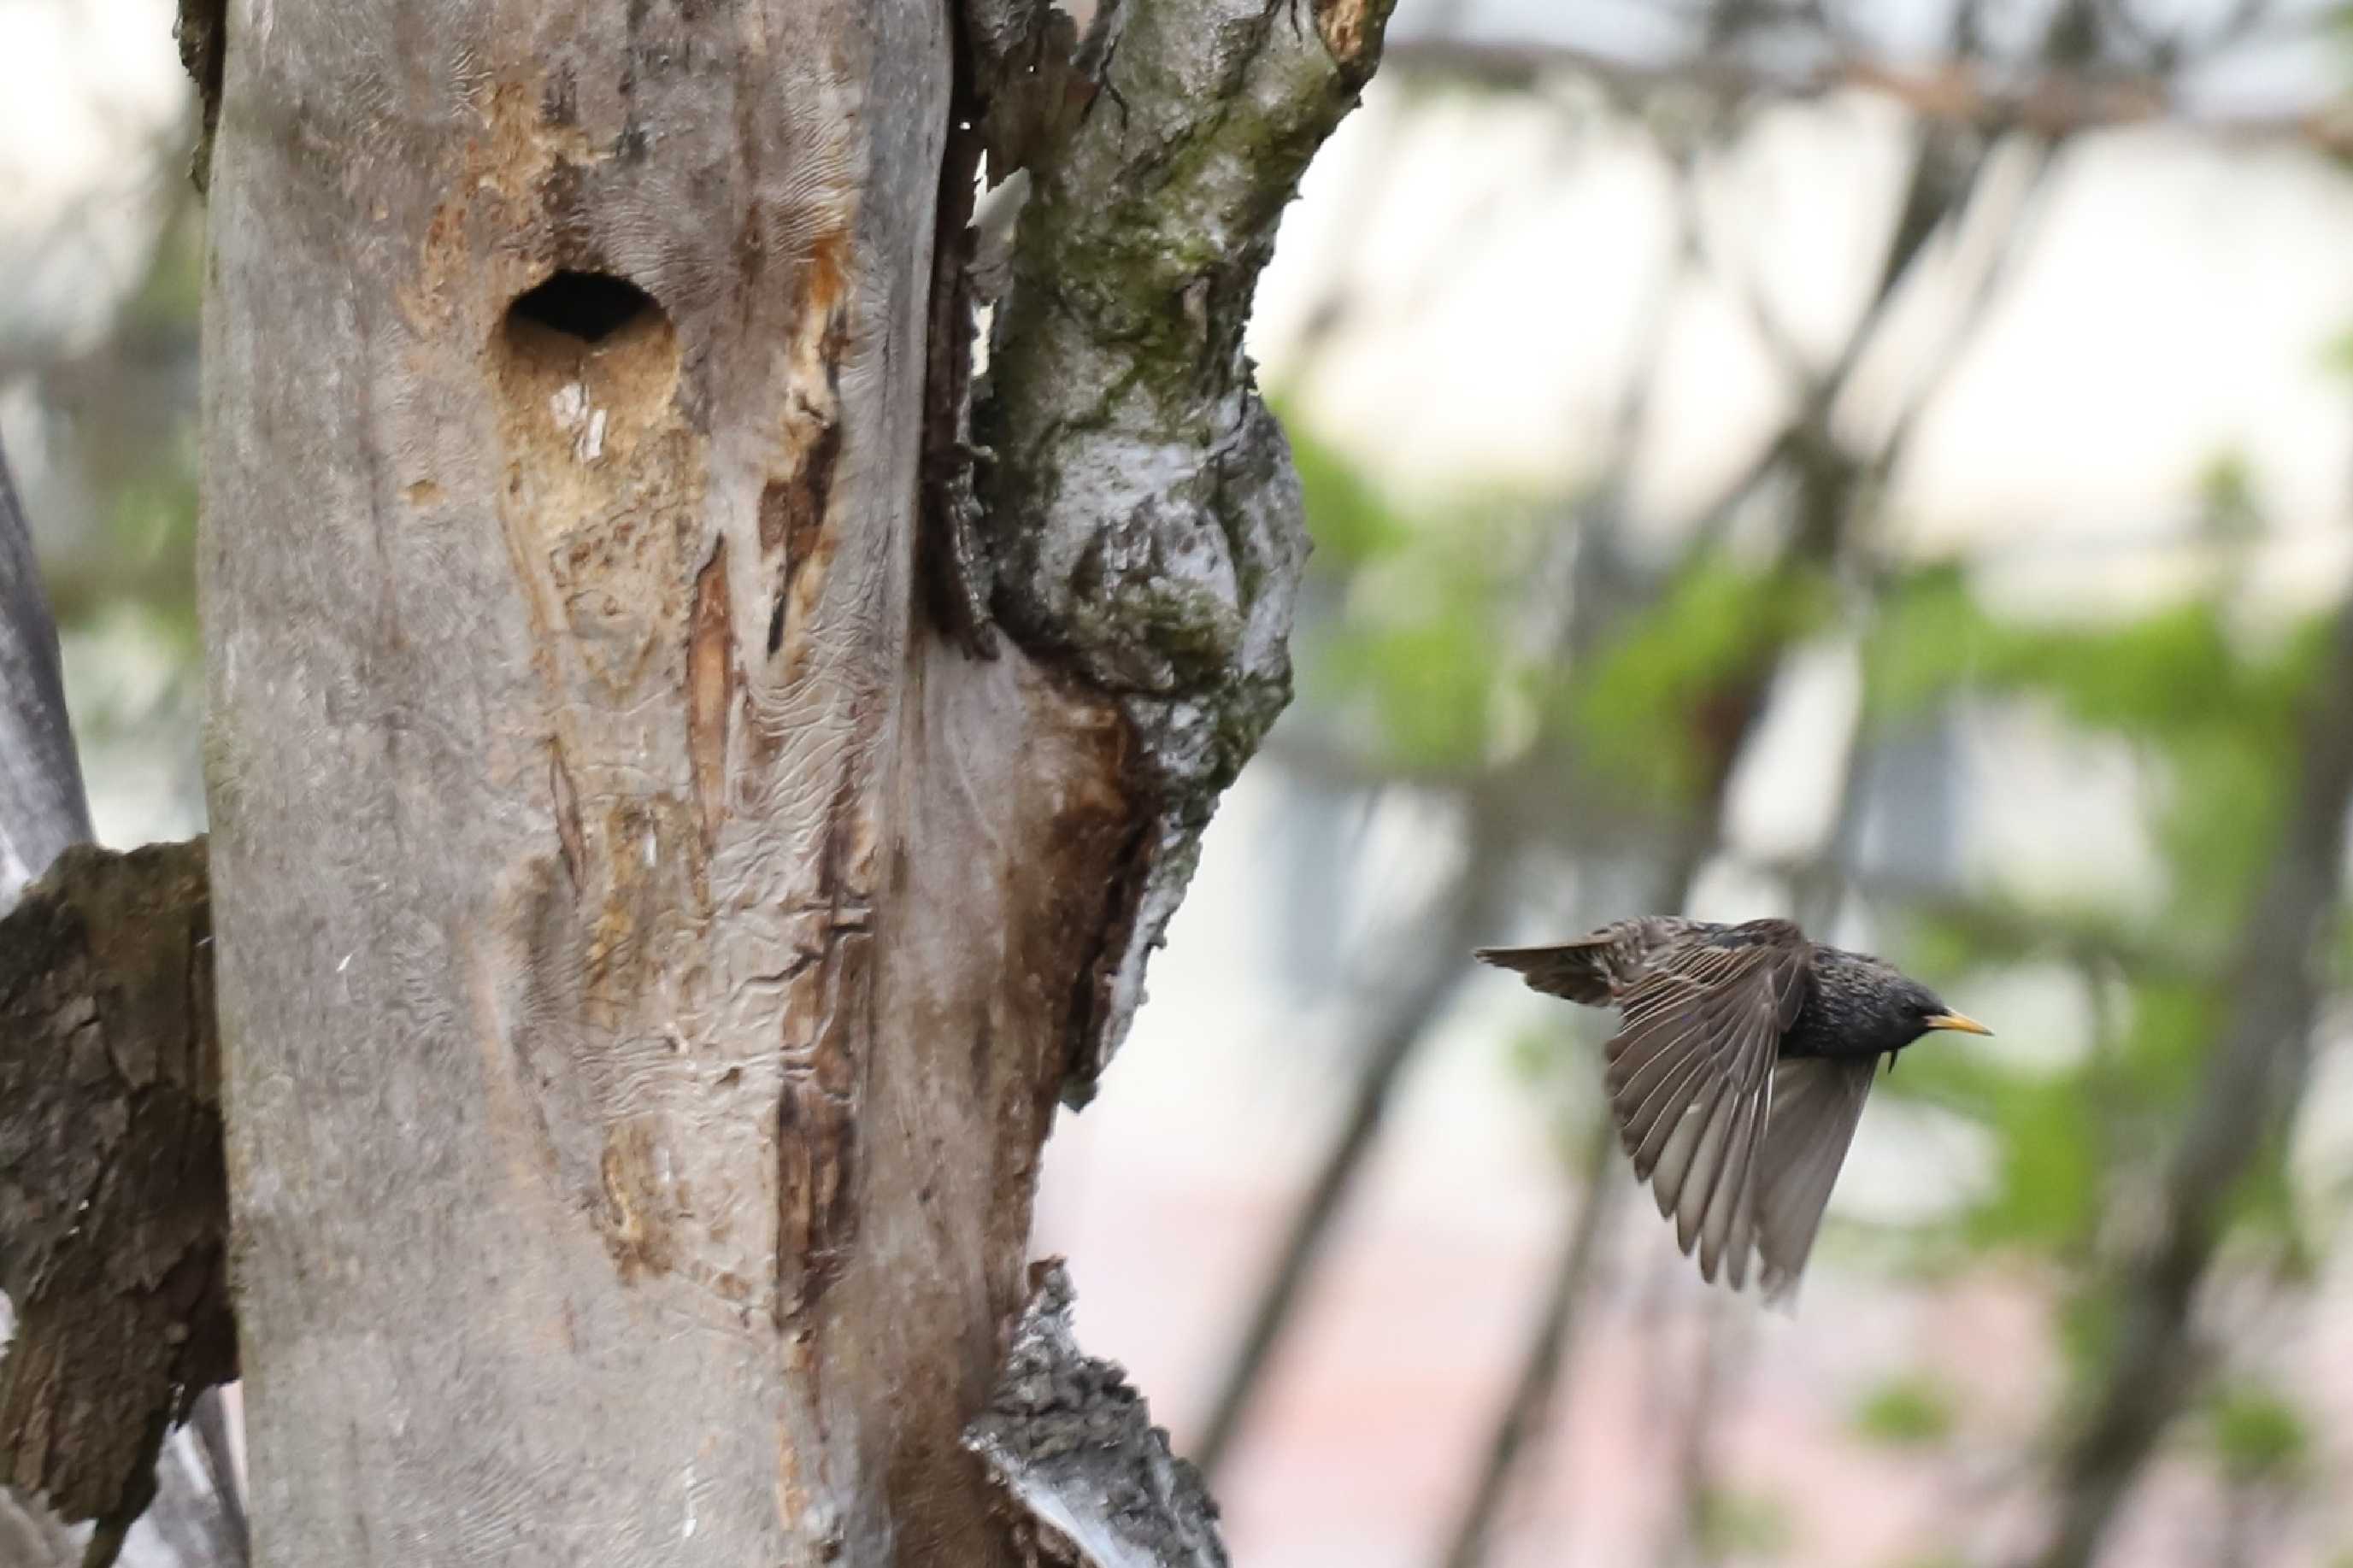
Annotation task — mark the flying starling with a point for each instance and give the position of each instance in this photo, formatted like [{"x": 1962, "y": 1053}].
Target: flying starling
[{"x": 1739, "y": 1070}]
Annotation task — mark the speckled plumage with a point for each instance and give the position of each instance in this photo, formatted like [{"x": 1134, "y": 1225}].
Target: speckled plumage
[{"x": 1739, "y": 1071}]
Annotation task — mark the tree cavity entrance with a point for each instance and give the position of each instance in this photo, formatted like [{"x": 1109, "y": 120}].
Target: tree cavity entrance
[
  {"x": 587, "y": 305},
  {"x": 588, "y": 363}
]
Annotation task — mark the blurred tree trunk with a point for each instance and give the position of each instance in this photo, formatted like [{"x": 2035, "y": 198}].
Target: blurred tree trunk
[
  {"x": 2254, "y": 1082},
  {"x": 41, "y": 806},
  {"x": 653, "y": 926}
]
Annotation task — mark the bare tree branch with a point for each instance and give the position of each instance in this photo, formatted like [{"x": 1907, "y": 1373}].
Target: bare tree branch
[
  {"x": 1434, "y": 971},
  {"x": 1689, "y": 1540},
  {"x": 1535, "y": 1391},
  {"x": 2054, "y": 104},
  {"x": 42, "y": 808}
]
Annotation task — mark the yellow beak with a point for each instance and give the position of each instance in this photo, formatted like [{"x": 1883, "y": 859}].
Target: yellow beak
[{"x": 1957, "y": 1023}]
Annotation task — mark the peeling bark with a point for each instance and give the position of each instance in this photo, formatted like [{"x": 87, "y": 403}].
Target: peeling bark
[
  {"x": 201, "y": 29},
  {"x": 1078, "y": 1456},
  {"x": 113, "y": 1204}
]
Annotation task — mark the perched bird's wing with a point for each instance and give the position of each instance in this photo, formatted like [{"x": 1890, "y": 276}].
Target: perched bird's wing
[
  {"x": 1595, "y": 969},
  {"x": 1816, "y": 1100},
  {"x": 1691, "y": 1078}
]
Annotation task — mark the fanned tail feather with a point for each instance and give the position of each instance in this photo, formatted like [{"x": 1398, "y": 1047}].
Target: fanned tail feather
[{"x": 1580, "y": 970}]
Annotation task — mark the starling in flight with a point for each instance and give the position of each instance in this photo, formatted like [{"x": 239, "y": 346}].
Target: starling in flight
[{"x": 1739, "y": 1070}]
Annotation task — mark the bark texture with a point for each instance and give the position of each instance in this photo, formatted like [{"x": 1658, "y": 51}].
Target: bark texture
[
  {"x": 1141, "y": 513},
  {"x": 113, "y": 1209},
  {"x": 648, "y": 948},
  {"x": 1072, "y": 1443}
]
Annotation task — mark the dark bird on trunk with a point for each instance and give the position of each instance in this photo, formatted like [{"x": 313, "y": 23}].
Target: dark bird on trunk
[{"x": 1738, "y": 1071}]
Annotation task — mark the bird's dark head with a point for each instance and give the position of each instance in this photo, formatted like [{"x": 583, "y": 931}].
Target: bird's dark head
[
  {"x": 1866, "y": 1007},
  {"x": 1911, "y": 1010}
]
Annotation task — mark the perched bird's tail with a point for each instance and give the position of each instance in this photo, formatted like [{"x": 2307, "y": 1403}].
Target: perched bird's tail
[{"x": 1583, "y": 971}]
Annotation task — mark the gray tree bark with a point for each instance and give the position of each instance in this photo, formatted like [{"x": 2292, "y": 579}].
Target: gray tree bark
[{"x": 651, "y": 947}]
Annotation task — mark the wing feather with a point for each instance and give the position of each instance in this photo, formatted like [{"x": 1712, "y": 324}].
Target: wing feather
[
  {"x": 1817, "y": 1101},
  {"x": 1720, "y": 1232},
  {"x": 1710, "y": 1156},
  {"x": 1690, "y": 1076},
  {"x": 1647, "y": 1130}
]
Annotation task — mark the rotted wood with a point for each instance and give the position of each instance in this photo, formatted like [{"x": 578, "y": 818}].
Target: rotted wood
[{"x": 113, "y": 1200}]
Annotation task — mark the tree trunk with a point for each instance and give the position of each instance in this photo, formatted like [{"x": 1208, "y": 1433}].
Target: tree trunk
[{"x": 648, "y": 950}]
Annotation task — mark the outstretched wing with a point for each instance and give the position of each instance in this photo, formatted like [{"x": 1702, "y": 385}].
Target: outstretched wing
[
  {"x": 1817, "y": 1101},
  {"x": 1691, "y": 1078}
]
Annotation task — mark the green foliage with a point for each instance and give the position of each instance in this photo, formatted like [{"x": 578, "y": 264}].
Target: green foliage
[
  {"x": 1424, "y": 647},
  {"x": 2226, "y": 493},
  {"x": 171, "y": 297},
  {"x": 2217, "y": 720},
  {"x": 2215, "y": 716},
  {"x": 2157, "y": 1061},
  {"x": 2167, "y": 677},
  {"x": 1431, "y": 671},
  {"x": 1913, "y": 1411},
  {"x": 2264, "y": 1206},
  {"x": 137, "y": 449},
  {"x": 1351, "y": 524},
  {"x": 2339, "y": 355},
  {"x": 1637, "y": 704},
  {"x": 2048, "y": 1190},
  {"x": 1734, "y": 1522},
  {"x": 2258, "y": 1436},
  {"x": 1993, "y": 931},
  {"x": 1416, "y": 648},
  {"x": 2089, "y": 1321}
]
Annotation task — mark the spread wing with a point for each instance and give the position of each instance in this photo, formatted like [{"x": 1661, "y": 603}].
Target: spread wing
[
  {"x": 1691, "y": 1081},
  {"x": 1816, "y": 1100}
]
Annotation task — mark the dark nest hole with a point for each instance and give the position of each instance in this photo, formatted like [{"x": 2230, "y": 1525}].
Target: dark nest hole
[{"x": 589, "y": 307}]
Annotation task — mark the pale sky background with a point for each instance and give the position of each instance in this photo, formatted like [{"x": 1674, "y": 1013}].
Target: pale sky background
[{"x": 2173, "y": 303}]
